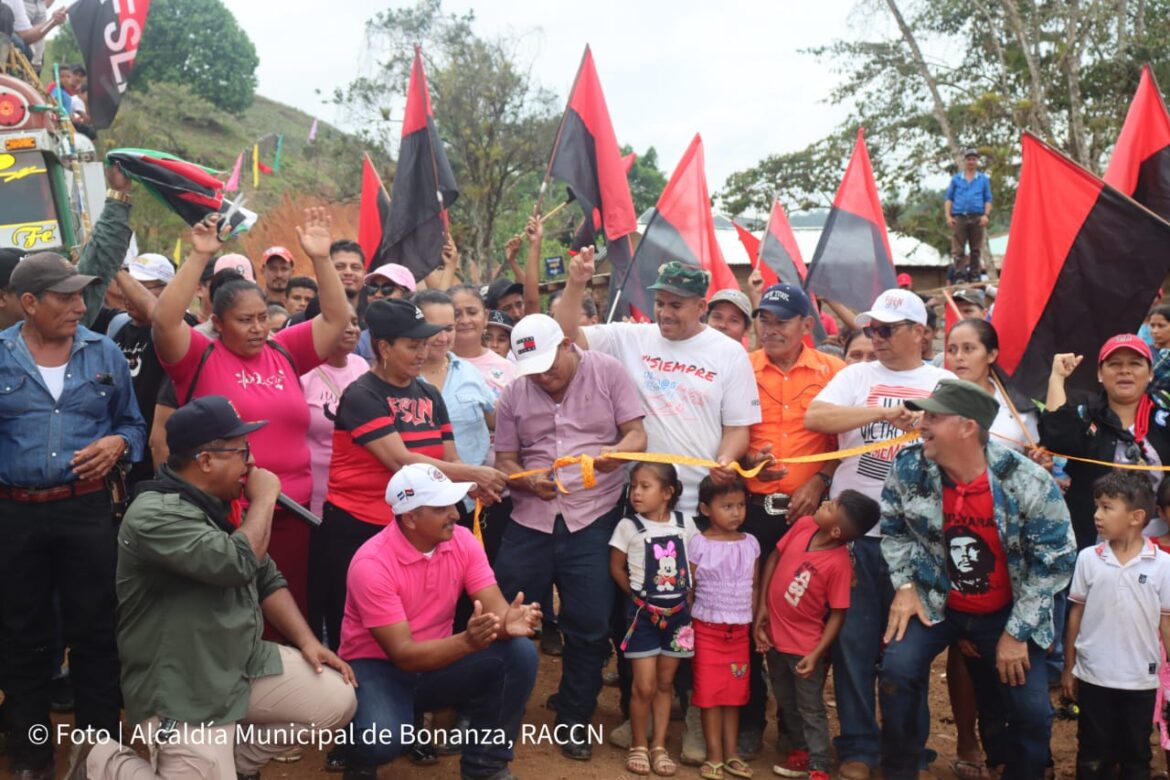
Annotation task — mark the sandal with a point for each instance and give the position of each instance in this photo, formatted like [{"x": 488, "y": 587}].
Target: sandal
[
  {"x": 969, "y": 770},
  {"x": 638, "y": 761},
  {"x": 661, "y": 762},
  {"x": 711, "y": 771},
  {"x": 737, "y": 767}
]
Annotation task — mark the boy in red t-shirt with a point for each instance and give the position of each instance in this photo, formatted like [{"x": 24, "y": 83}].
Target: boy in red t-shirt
[{"x": 807, "y": 578}]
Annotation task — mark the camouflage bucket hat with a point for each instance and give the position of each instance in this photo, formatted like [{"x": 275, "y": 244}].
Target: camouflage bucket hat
[{"x": 682, "y": 279}]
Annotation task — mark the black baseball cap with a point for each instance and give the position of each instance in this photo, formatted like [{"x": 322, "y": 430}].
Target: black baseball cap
[
  {"x": 499, "y": 288},
  {"x": 204, "y": 420},
  {"x": 958, "y": 396},
  {"x": 398, "y": 319},
  {"x": 500, "y": 320},
  {"x": 9, "y": 257},
  {"x": 47, "y": 272}
]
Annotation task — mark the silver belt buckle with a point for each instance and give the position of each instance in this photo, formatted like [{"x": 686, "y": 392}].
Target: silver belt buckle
[{"x": 770, "y": 506}]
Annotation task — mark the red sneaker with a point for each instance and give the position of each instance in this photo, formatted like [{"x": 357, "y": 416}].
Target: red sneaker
[
  {"x": 818, "y": 775},
  {"x": 796, "y": 765}
]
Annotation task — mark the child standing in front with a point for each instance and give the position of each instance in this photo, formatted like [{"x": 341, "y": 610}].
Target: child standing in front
[
  {"x": 723, "y": 567},
  {"x": 648, "y": 560},
  {"x": 807, "y": 579},
  {"x": 1119, "y": 603}
]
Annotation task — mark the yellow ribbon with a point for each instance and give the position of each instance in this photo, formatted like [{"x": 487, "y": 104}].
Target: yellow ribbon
[{"x": 1108, "y": 463}]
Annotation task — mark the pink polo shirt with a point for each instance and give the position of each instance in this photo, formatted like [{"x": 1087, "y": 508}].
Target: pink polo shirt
[{"x": 391, "y": 581}]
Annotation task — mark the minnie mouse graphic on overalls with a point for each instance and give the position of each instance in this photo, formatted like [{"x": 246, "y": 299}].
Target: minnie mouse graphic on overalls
[{"x": 659, "y": 615}]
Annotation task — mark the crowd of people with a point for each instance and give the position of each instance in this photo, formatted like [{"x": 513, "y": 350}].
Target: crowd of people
[{"x": 315, "y": 510}]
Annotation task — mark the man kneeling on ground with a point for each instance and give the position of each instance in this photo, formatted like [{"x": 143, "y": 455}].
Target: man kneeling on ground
[
  {"x": 397, "y": 633},
  {"x": 193, "y": 593}
]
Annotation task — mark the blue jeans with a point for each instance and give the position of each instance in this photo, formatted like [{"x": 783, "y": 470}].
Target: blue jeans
[
  {"x": 491, "y": 687},
  {"x": 531, "y": 561},
  {"x": 1017, "y": 738}
]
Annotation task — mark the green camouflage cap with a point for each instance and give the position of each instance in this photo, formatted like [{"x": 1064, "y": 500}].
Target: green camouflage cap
[
  {"x": 682, "y": 279},
  {"x": 957, "y": 396}
]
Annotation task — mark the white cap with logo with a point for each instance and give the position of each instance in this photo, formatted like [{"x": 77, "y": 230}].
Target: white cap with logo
[
  {"x": 895, "y": 306},
  {"x": 535, "y": 341},
  {"x": 151, "y": 267},
  {"x": 421, "y": 484}
]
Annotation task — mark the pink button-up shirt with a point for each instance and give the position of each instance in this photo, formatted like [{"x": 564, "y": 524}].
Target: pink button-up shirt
[{"x": 599, "y": 398}]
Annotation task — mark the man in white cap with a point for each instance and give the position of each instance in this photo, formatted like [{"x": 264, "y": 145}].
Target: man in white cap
[
  {"x": 864, "y": 404},
  {"x": 386, "y": 282},
  {"x": 566, "y": 401},
  {"x": 397, "y": 633}
]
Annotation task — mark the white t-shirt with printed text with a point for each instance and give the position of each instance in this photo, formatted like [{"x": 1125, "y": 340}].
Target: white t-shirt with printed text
[
  {"x": 690, "y": 391},
  {"x": 872, "y": 384}
]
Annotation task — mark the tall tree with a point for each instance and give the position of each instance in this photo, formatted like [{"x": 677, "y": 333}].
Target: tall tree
[
  {"x": 646, "y": 179},
  {"x": 198, "y": 43},
  {"x": 496, "y": 121}
]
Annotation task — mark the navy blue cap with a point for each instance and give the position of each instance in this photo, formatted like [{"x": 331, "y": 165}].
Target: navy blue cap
[
  {"x": 395, "y": 318},
  {"x": 785, "y": 301},
  {"x": 204, "y": 420}
]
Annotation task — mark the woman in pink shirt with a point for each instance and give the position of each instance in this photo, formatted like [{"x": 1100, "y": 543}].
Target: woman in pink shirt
[
  {"x": 258, "y": 374},
  {"x": 470, "y": 324}
]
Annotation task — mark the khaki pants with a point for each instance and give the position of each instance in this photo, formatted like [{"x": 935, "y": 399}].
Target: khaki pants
[{"x": 283, "y": 711}]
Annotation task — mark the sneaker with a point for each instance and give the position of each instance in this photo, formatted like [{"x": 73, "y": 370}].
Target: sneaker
[
  {"x": 694, "y": 746},
  {"x": 795, "y": 765},
  {"x": 818, "y": 775},
  {"x": 292, "y": 756}
]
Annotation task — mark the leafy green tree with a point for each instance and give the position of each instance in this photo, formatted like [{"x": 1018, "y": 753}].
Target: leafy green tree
[
  {"x": 197, "y": 42},
  {"x": 646, "y": 179}
]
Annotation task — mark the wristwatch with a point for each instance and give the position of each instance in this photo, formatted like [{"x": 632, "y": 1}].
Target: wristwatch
[{"x": 828, "y": 478}]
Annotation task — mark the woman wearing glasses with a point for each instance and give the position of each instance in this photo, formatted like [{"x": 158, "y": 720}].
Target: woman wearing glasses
[
  {"x": 384, "y": 283},
  {"x": 1121, "y": 425},
  {"x": 257, "y": 370}
]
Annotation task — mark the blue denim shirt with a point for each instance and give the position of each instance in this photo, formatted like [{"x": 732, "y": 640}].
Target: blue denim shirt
[
  {"x": 969, "y": 197},
  {"x": 38, "y": 436},
  {"x": 467, "y": 397}
]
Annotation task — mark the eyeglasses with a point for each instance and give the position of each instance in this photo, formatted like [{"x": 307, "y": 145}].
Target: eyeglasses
[
  {"x": 246, "y": 449},
  {"x": 884, "y": 330},
  {"x": 387, "y": 289}
]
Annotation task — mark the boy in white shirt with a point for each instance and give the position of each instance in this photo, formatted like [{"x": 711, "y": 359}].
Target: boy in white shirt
[{"x": 1119, "y": 602}]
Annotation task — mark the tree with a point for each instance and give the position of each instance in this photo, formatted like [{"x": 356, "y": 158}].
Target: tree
[
  {"x": 646, "y": 180},
  {"x": 198, "y": 43},
  {"x": 496, "y": 121},
  {"x": 1064, "y": 70}
]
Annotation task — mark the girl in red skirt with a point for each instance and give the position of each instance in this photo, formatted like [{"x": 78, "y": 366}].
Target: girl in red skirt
[{"x": 723, "y": 567}]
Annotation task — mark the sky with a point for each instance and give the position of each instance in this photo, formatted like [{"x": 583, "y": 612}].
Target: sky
[{"x": 732, "y": 70}]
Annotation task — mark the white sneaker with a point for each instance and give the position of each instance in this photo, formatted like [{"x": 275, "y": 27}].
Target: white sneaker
[{"x": 694, "y": 746}]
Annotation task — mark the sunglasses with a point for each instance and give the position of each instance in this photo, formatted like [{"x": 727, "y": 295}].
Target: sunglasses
[
  {"x": 387, "y": 289},
  {"x": 884, "y": 330},
  {"x": 246, "y": 449}
]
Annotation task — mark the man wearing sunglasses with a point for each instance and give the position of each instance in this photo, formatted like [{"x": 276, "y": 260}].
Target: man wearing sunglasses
[
  {"x": 195, "y": 584},
  {"x": 864, "y": 404},
  {"x": 386, "y": 282}
]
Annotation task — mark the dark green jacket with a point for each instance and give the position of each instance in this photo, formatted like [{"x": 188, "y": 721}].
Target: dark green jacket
[
  {"x": 189, "y": 619},
  {"x": 104, "y": 254}
]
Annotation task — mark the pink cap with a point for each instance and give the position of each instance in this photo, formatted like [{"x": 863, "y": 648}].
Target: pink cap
[
  {"x": 1125, "y": 341},
  {"x": 399, "y": 274},
  {"x": 905, "y": 281},
  {"x": 277, "y": 251},
  {"x": 236, "y": 262}
]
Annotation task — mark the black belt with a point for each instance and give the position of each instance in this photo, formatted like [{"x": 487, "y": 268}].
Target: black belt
[{"x": 775, "y": 504}]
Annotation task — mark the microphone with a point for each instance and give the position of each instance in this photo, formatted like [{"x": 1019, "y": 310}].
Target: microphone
[{"x": 302, "y": 514}]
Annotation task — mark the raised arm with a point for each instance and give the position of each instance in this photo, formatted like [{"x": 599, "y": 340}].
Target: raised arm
[
  {"x": 105, "y": 251},
  {"x": 534, "y": 232},
  {"x": 328, "y": 326},
  {"x": 568, "y": 313},
  {"x": 172, "y": 334}
]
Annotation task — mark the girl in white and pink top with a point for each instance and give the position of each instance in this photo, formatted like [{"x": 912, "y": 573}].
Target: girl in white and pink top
[
  {"x": 724, "y": 568},
  {"x": 470, "y": 323}
]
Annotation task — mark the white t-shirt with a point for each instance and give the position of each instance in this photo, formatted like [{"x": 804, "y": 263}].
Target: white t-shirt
[
  {"x": 627, "y": 539},
  {"x": 55, "y": 379},
  {"x": 1117, "y": 646},
  {"x": 872, "y": 384},
  {"x": 1005, "y": 426},
  {"x": 20, "y": 15},
  {"x": 690, "y": 391}
]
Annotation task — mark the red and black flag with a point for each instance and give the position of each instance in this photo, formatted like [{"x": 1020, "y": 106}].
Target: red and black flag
[
  {"x": 424, "y": 187},
  {"x": 586, "y": 155},
  {"x": 853, "y": 263},
  {"x": 682, "y": 228},
  {"x": 1140, "y": 166},
  {"x": 191, "y": 191},
  {"x": 373, "y": 214},
  {"x": 588, "y": 229},
  {"x": 108, "y": 34},
  {"x": 779, "y": 251},
  {"x": 751, "y": 245},
  {"x": 1079, "y": 269}
]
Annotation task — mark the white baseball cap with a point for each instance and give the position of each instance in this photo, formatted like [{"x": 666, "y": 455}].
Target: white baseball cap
[
  {"x": 421, "y": 484},
  {"x": 895, "y": 306},
  {"x": 535, "y": 341},
  {"x": 151, "y": 267}
]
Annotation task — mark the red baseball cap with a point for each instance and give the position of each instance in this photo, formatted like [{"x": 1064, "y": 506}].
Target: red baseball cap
[
  {"x": 278, "y": 251},
  {"x": 905, "y": 281},
  {"x": 1125, "y": 341}
]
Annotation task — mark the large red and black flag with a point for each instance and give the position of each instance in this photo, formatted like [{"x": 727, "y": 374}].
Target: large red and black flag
[
  {"x": 751, "y": 245},
  {"x": 424, "y": 187},
  {"x": 373, "y": 215},
  {"x": 191, "y": 191},
  {"x": 108, "y": 34},
  {"x": 1140, "y": 166},
  {"x": 590, "y": 226},
  {"x": 853, "y": 263},
  {"x": 1079, "y": 269},
  {"x": 779, "y": 251},
  {"x": 682, "y": 228}
]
